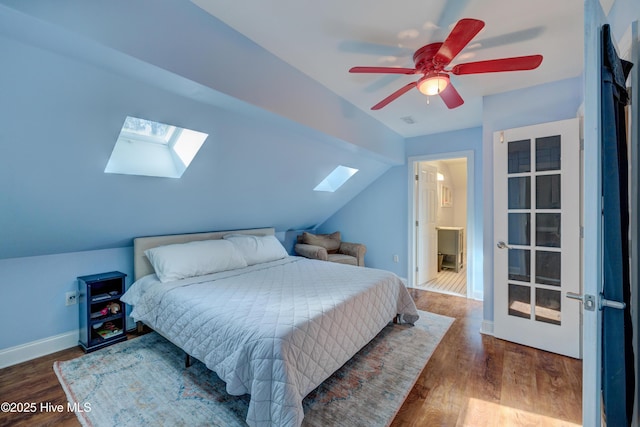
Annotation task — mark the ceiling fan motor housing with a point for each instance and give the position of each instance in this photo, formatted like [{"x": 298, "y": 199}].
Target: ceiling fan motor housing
[{"x": 423, "y": 58}]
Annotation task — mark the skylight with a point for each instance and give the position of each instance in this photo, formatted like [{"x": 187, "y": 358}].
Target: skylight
[
  {"x": 335, "y": 179},
  {"x": 151, "y": 148}
]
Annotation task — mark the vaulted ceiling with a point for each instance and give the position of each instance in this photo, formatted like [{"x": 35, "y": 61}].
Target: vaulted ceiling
[{"x": 270, "y": 87}]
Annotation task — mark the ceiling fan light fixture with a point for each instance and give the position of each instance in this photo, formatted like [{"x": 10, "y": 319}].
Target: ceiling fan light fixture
[{"x": 433, "y": 84}]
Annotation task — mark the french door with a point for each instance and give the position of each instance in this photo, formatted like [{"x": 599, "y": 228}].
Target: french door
[{"x": 537, "y": 236}]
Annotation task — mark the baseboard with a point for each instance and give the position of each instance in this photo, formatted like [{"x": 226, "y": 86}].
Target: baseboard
[
  {"x": 487, "y": 327},
  {"x": 22, "y": 353},
  {"x": 477, "y": 295}
]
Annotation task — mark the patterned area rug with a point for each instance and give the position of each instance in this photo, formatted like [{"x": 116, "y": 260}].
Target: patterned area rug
[{"x": 143, "y": 382}]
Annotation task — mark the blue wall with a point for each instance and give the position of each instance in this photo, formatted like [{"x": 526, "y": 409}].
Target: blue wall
[
  {"x": 378, "y": 216},
  {"x": 253, "y": 170},
  {"x": 33, "y": 291}
]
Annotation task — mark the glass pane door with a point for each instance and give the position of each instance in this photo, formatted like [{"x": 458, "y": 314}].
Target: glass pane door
[{"x": 534, "y": 229}]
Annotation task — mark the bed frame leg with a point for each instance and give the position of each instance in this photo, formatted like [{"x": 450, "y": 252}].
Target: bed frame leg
[
  {"x": 140, "y": 326},
  {"x": 396, "y": 319},
  {"x": 187, "y": 361}
]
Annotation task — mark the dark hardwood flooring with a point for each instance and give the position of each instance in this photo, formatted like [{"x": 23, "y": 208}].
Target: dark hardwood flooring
[
  {"x": 471, "y": 380},
  {"x": 477, "y": 380}
]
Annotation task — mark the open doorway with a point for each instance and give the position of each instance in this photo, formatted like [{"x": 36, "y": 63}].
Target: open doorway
[
  {"x": 439, "y": 258},
  {"x": 442, "y": 220}
]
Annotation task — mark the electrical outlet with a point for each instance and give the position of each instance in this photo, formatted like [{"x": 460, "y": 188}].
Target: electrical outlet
[
  {"x": 395, "y": 258},
  {"x": 71, "y": 298}
]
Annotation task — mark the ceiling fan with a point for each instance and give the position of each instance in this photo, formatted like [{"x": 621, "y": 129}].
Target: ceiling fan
[{"x": 431, "y": 60}]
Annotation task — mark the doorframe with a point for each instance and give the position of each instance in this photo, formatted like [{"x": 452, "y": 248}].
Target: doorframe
[
  {"x": 412, "y": 164},
  {"x": 629, "y": 49},
  {"x": 594, "y": 18},
  {"x": 634, "y": 140}
]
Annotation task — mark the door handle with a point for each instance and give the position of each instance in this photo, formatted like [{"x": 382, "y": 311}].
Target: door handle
[
  {"x": 502, "y": 245},
  {"x": 611, "y": 304},
  {"x": 589, "y": 301}
]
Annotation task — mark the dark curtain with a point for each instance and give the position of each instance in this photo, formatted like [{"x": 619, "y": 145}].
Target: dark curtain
[{"x": 618, "y": 382}]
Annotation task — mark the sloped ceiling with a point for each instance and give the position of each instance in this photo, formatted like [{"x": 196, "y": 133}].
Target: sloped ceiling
[{"x": 73, "y": 70}]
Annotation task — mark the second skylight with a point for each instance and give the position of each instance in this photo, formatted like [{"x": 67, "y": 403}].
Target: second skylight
[{"x": 335, "y": 179}]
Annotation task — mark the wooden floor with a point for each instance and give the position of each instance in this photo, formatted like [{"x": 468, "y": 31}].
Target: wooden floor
[
  {"x": 471, "y": 380},
  {"x": 449, "y": 282},
  {"x": 477, "y": 380}
]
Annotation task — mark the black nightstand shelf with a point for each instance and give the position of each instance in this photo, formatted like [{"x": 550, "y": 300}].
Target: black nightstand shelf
[{"x": 99, "y": 295}]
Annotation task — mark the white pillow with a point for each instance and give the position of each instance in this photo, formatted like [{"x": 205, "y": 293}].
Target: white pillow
[
  {"x": 178, "y": 261},
  {"x": 257, "y": 249}
]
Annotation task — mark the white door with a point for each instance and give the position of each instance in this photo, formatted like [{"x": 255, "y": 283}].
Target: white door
[
  {"x": 537, "y": 236},
  {"x": 427, "y": 253}
]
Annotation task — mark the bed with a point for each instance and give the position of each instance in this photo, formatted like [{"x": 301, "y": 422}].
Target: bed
[{"x": 275, "y": 328}]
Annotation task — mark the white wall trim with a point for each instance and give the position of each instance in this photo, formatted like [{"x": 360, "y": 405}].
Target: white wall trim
[
  {"x": 594, "y": 18},
  {"x": 477, "y": 295},
  {"x": 486, "y": 327},
  {"x": 22, "y": 353},
  {"x": 634, "y": 139}
]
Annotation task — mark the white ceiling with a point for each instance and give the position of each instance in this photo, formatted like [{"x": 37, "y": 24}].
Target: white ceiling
[{"x": 325, "y": 39}]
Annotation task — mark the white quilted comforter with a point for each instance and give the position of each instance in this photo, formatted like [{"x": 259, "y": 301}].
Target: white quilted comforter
[{"x": 274, "y": 330}]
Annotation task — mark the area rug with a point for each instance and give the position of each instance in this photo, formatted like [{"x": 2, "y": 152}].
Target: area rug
[{"x": 143, "y": 381}]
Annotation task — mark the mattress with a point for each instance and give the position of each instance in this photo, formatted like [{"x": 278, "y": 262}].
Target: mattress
[{"x": 274, "y": 330}]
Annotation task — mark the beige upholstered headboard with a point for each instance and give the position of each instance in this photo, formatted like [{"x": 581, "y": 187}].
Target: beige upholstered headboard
[{"x": 141, "y": 265}]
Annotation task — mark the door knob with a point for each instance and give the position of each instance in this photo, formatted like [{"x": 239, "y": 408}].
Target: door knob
[{"x": 503, "y": 245}]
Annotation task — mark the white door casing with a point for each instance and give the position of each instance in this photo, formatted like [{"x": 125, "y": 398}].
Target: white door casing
[
  {"x": 594, "y": 18},
  {"x": 474, "y": 252},
  {"x": 537, "y": 236}
]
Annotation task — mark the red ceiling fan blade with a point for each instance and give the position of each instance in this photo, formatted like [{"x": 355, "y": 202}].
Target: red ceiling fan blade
[
  {"x": 404, "y": 89},
  {"x": 518, "y": 63},
  {"x": 451, "y": 97},
  {"x": 465, "y": 30},
  {"x": 383, "y": 70}
]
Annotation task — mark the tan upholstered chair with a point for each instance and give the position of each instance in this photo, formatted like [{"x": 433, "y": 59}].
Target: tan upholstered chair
[{"x": 329, "y": 247}]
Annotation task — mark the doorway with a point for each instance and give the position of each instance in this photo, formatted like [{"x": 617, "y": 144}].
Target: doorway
[{"x": 441, "y": 218}]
